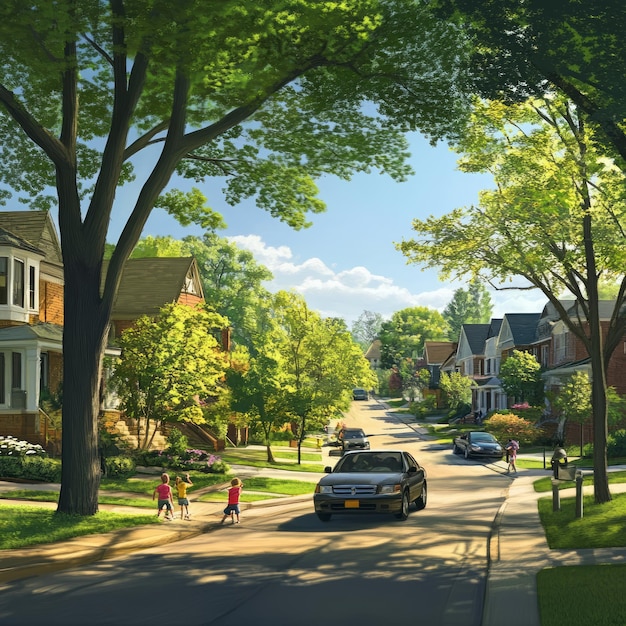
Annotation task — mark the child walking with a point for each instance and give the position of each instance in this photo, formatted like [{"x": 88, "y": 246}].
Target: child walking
[
  {"x": 511, "y": 451},
  {"x": 183, "y": 501},
  {"x": 164, "y": 492},
  {"x": 233, "y": 501}
]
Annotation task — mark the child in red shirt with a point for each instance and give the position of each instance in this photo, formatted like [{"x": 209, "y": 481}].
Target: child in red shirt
[
  {"x": 233, "y": 501},
  {"x": 165, "y": 497}
]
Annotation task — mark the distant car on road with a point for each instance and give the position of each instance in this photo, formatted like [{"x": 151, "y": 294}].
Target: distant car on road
[
  {"x": 352, "y": 438},
  {"x": 372, "y": 481},
  {"x": 478, "y": 444},
  {"x": 360, "y": 394}
]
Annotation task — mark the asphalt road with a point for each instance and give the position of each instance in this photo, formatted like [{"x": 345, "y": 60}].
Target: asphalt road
[{"x": 283, "y": 567}]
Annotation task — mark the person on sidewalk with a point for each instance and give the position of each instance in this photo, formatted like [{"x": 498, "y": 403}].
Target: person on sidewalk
[
  {"x": 183, "y": 501},
  {"x": 165, "y": 501},
  {"x": 233, "y": 501},
  {"x": 511, "y": 452}
]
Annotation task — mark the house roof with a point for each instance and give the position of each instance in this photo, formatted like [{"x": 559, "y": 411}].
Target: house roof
[
  {"x": 523, "y": 327},
  {"x": 43, "y": 331},
  {"x": 7, "y": 238},
  {"x": 373, "y": 352},
  {"x": 476, "y": 334},
  {"x": 148, "y": 284},
  {"x": 36, "y": 228},
  {"x": 436, "y": 352}
]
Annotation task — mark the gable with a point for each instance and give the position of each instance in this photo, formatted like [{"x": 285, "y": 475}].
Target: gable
[{"x": 148, "y": 284}]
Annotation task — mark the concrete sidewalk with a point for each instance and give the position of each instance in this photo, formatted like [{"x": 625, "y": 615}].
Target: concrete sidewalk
[{"x": 518, "y": 550}]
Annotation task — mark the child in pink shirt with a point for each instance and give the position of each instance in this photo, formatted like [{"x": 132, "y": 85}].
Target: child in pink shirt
[{"x": 164, "y": 492}]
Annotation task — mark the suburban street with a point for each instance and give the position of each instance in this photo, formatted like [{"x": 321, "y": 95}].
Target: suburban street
[{"x": 284, "y": 567}]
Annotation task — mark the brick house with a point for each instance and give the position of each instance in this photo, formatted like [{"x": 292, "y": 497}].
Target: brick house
[{"x": 31, "y": 317}]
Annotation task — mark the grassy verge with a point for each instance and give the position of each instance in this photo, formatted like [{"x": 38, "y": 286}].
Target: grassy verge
[
  {"x": 582, "y": 595},
  {"x": 259, "y": 488},
  {"x": 602, "y": 525},
  {"x": 545, "y": 484},
  {"x": 53, "y": 496},
  {"x": 258, "y": 458},
  {"x": 29, "y": 526}
]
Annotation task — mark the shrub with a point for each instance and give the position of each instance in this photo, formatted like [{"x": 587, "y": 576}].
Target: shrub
[
  {"x": 616, "y": 444},
  {"x": 509, "y": 426},
  {"x": 34, "y": 467},
  {"x": 41, "y": 468},
  {"x": 119, "y": 466}
]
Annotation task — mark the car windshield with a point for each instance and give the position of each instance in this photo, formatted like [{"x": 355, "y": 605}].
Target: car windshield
[
  {"x": 485, "y": 437},
  {"x": 354, "y": 434},
  {"x": 375, "y": 463}
]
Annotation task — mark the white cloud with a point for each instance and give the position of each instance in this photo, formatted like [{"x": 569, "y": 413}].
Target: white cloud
[{"x": 347, "y": 293}]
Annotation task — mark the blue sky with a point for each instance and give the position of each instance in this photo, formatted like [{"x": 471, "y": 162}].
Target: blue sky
[{"x": 346, "y": 262}]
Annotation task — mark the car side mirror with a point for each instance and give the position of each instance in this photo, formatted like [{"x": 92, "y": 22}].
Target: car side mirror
[
  {"x": 412, "y": 469},
  {"x": 328, "y": 469}
]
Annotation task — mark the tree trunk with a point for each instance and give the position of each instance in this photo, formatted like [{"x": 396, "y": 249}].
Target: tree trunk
[
  {"x": 84, "y": 339},
  {"x": 600, "y": 426}
]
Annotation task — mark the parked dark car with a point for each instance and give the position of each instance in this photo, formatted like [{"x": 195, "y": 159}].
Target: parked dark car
[
  {"x": 360, "y": 394},
  {"x": 478, "y": 444},
  {"x": 352, "y": 439},
  {"x": 372, "y": 481}
]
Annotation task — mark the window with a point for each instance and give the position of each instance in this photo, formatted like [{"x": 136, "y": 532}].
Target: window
[
  {"x": 18, "y": 283},
  {"x": 16, "y": 373},
  {"x": 44, "y": 368},
  {"x": 4, "y": 280},
  {"x": 31, "y": 287}
]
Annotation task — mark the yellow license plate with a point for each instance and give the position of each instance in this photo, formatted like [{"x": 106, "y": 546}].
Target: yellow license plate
[{"x": 352, "y": 504}]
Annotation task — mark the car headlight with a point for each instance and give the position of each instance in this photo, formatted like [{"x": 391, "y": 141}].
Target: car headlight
[
  {"x": 475, "y": 447},
  {"x": 389, "y": 488},
  {"x": 324, "y": 489}
]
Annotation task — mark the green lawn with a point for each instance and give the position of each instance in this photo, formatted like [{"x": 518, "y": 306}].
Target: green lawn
[
  {"x": 582, "y": 595},
  {"x": 24, "y": 526},
  {"x": 545, "y": 484},
  {"x": 602, "y": 525},
  {"x": 53, "y": 496},
  {"x": 258, "y": 458},
  {"x": 259, "y": 488}
]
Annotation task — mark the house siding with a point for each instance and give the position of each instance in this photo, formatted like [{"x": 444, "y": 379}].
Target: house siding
[{"x": 51, "y": 303}]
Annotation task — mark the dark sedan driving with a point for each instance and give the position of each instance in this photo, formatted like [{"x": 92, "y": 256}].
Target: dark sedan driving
[{"x": 373, "y": 481}]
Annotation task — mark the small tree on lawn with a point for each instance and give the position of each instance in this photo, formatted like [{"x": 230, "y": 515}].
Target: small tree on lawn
[
  {"x": 573, "y": 403},
  {"x": 457, "y": 389},
  {"x": 520, "y": 375},
  {"x": 169, "y": 364}
]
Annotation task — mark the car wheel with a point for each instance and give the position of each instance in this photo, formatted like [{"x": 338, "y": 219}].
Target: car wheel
[
  {"x": 455, "y": 449},
  {"x": 466, "y": 453},
  {"x": 404, "y": 510},
  {"x": 420, "y": 503},
  {"x": 324, "y": 517}
]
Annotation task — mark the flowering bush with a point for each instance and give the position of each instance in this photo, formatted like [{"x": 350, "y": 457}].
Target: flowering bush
[
  {"x": 11, "y": 446},
  {"x": 188, "y": 460}
]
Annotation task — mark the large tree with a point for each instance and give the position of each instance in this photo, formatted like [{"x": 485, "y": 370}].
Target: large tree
[
  {"x": 403, "y": 336},
  {"x": 264, "y": 96},
  {"x": 367, "y": 327},
  {"x": 523, "y": 49},
  {"x": 556, "y": 217},
  {"x": 468, "y": 306}
]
